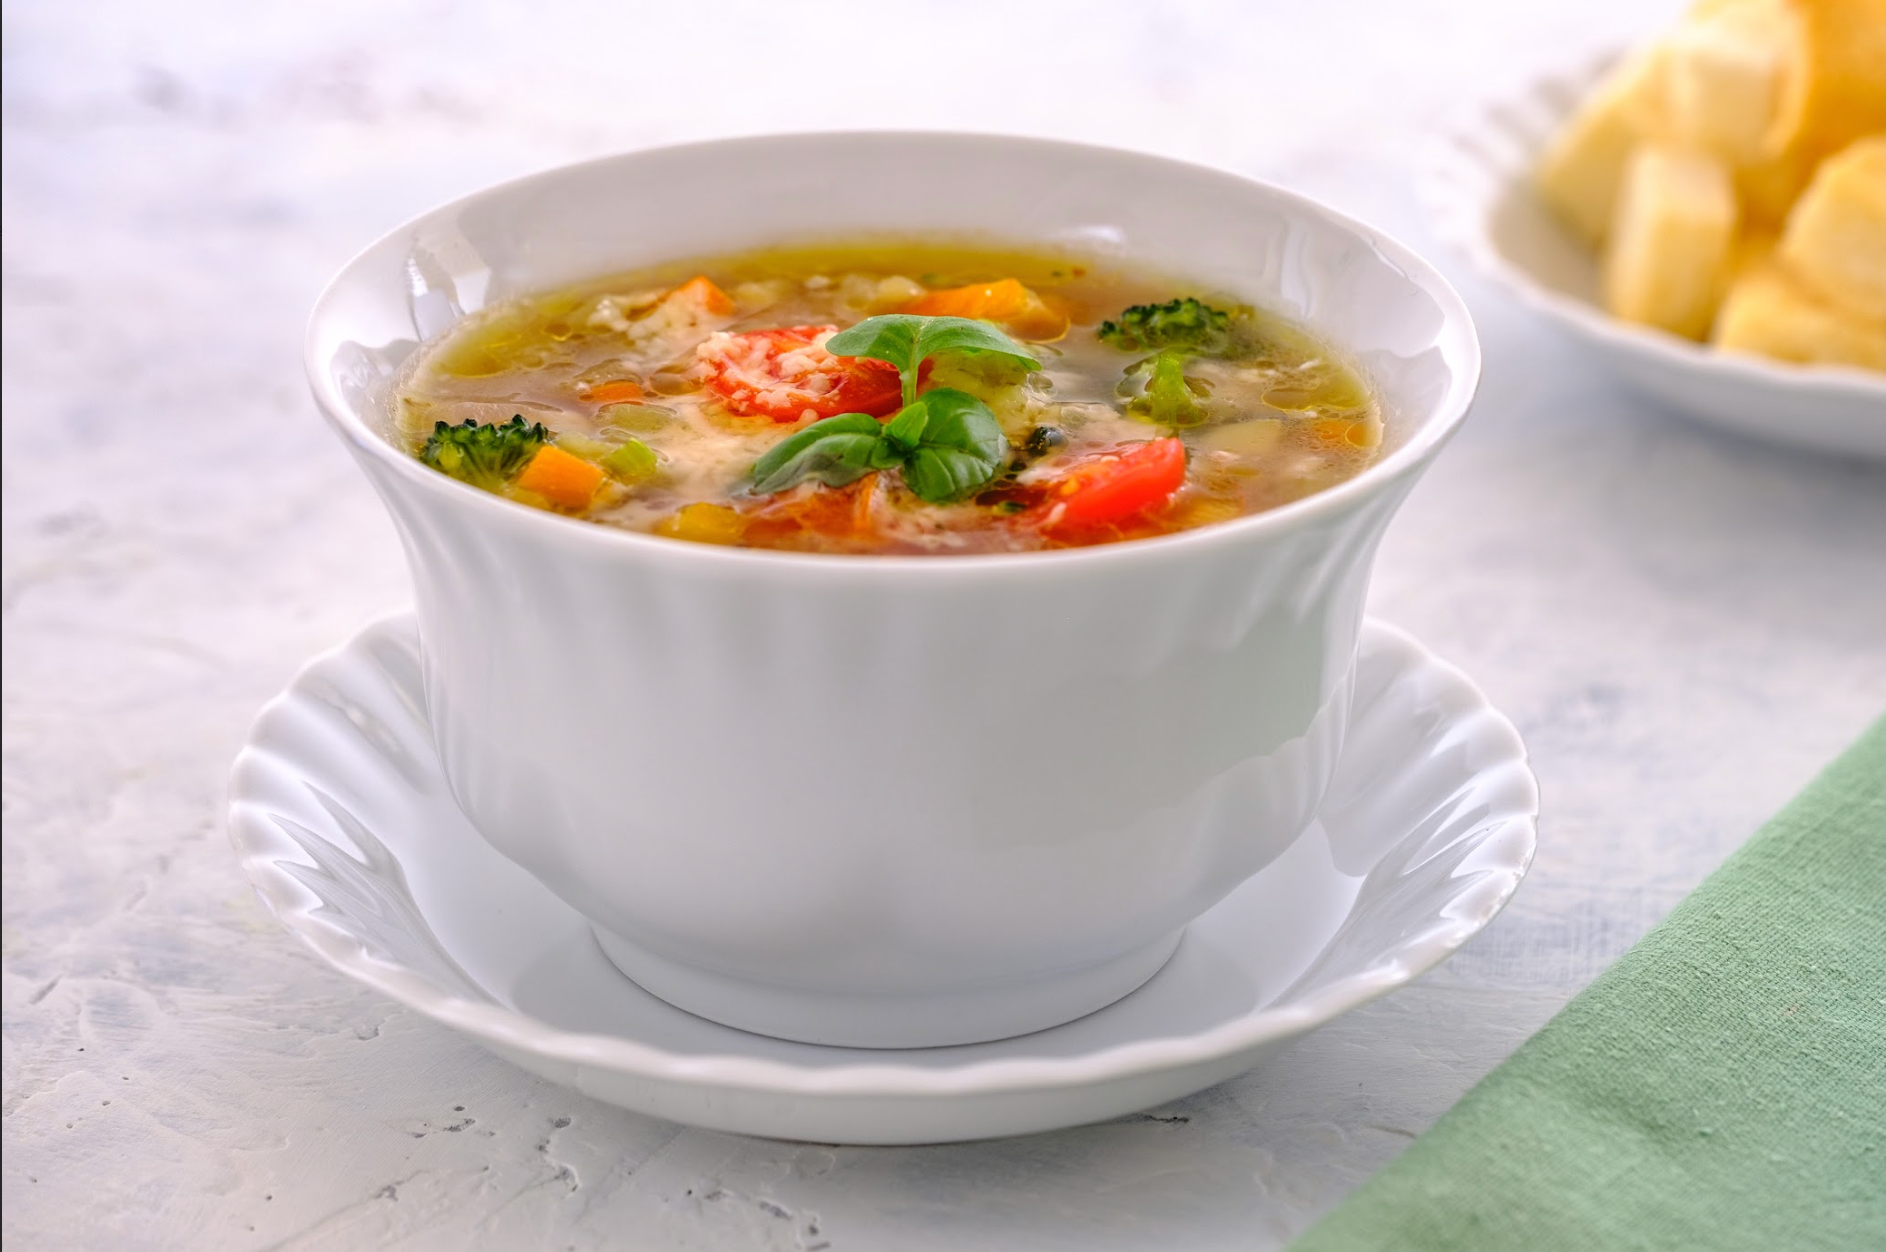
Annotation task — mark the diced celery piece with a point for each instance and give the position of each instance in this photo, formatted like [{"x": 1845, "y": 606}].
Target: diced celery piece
[{"x": 632, "y": 462}]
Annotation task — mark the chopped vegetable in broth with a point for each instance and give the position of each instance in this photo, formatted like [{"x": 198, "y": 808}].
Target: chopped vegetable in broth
[{"x": 889, "y": 399}]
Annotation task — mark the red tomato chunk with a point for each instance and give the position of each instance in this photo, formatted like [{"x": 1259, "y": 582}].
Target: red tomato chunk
[
  {"x": 1112, "y": 486},
  {"x": 787, "y": 375}
]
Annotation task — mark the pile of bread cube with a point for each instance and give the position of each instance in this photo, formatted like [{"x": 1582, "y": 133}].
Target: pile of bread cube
[{"x": 1732, "y": 176}]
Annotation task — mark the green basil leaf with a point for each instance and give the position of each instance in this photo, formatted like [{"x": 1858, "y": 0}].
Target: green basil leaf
[
  {"x": 960, "y": 448},
  {"x": 889, "y": 337},
  {"x": 906, "y": 341},
  {"x": 940, "y": 475},
  {"x": 961, "y": 334},
  {"x": 887, "y": 455},
  {"x": 892, "y": 338},
  {"x": 905, "y": 431},
  {"x": 835, "y": 451}
]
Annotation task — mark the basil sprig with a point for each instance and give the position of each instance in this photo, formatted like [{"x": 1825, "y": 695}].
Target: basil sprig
[
  {"x": 946, "y": 442},
  {"x": 835, "y": 451},
  {"x": 907, "y": 341}
]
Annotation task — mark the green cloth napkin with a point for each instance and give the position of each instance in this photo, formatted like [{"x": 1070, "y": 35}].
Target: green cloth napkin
[{"x": 1723, "y": 1086}]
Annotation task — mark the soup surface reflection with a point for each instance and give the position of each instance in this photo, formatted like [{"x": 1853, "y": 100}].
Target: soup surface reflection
[{"x": 889, "y": 399}]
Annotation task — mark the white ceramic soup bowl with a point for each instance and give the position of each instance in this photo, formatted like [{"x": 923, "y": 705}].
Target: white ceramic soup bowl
[{"x": 886, "y": 801}]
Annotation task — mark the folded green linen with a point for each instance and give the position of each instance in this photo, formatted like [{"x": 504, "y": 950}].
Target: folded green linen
[{"x": 1722, "y": 1087}]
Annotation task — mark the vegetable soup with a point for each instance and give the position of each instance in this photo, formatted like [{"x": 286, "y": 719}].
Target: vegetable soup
[{"x": 908, "y": 399}]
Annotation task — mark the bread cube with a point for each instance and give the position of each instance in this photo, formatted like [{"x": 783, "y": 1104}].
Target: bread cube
[
  {"x": 1720, "y": 81},
  {"x": 1670, "y": 237},
  {"x": 1752, "y": 248},
  {"x": 1579, "y": 174},
  {"x": 1837, "y": 90},
  {"x": 1767, "y": 312},
  {"x": 1835, "y": 239},
  {"x": 1767, "y": 189}
]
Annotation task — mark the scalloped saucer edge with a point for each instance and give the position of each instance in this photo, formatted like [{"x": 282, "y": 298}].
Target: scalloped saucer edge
[{"x": 345, "y": 827}]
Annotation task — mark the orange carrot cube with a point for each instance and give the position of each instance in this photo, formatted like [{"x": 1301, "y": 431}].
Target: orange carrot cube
[
  {"x": 614, "y": 392},
  {"x": 566, "y": 481},
  {"x": 702, "y": 291}
]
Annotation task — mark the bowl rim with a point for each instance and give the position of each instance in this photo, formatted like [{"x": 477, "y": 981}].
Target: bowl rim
[
  {"x": 1442, "y": 418},
  {"x": 1464, "y": 220}
]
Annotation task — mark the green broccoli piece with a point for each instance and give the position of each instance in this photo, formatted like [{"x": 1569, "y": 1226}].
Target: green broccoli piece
[
  {"x": 1157, "y": 391},
  {"x": 484, "y": 454},
  {"x": 1185, "y": 323}
]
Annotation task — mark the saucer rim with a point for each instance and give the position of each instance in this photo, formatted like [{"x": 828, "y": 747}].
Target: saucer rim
[{"x": 260, "y": 844}]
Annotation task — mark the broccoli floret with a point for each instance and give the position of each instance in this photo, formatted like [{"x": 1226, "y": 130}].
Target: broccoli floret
[
  {"x": 1156, "y": 391},
  {"x": 1185, "y": 323},
  {"x": 483, "y": 454}
]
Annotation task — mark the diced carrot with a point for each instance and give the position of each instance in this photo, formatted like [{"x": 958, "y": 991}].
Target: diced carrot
[
  {"x": 614, "y": 392},
  {"x": 566, "y": 481},
  {"x": 1006, "y": 301},
  {"x": 997, "y": 301},
  {"x": 702, "y": 291}
]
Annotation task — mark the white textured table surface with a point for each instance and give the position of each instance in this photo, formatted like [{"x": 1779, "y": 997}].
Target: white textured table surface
[{"x": 1685, "y": 626}]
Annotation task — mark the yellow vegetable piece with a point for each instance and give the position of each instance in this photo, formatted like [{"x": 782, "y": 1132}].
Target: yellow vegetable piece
[{"x": 704, "y": 523}]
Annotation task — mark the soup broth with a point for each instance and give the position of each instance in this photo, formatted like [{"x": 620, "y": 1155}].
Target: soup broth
[{"x": 889, "y": 399}]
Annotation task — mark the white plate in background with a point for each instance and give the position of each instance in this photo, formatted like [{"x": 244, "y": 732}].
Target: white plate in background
[{"x": 1478, "y": 189}]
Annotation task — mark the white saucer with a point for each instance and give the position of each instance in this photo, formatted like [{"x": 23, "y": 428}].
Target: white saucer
[
  {"x": 1479, "y": 192},
  {"x": 346, "y": 829}
]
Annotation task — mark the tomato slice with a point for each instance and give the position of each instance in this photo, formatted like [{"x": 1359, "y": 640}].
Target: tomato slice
[
  {"x": 1112, "y": 486},
  {"x": 786, "y": 374}
]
